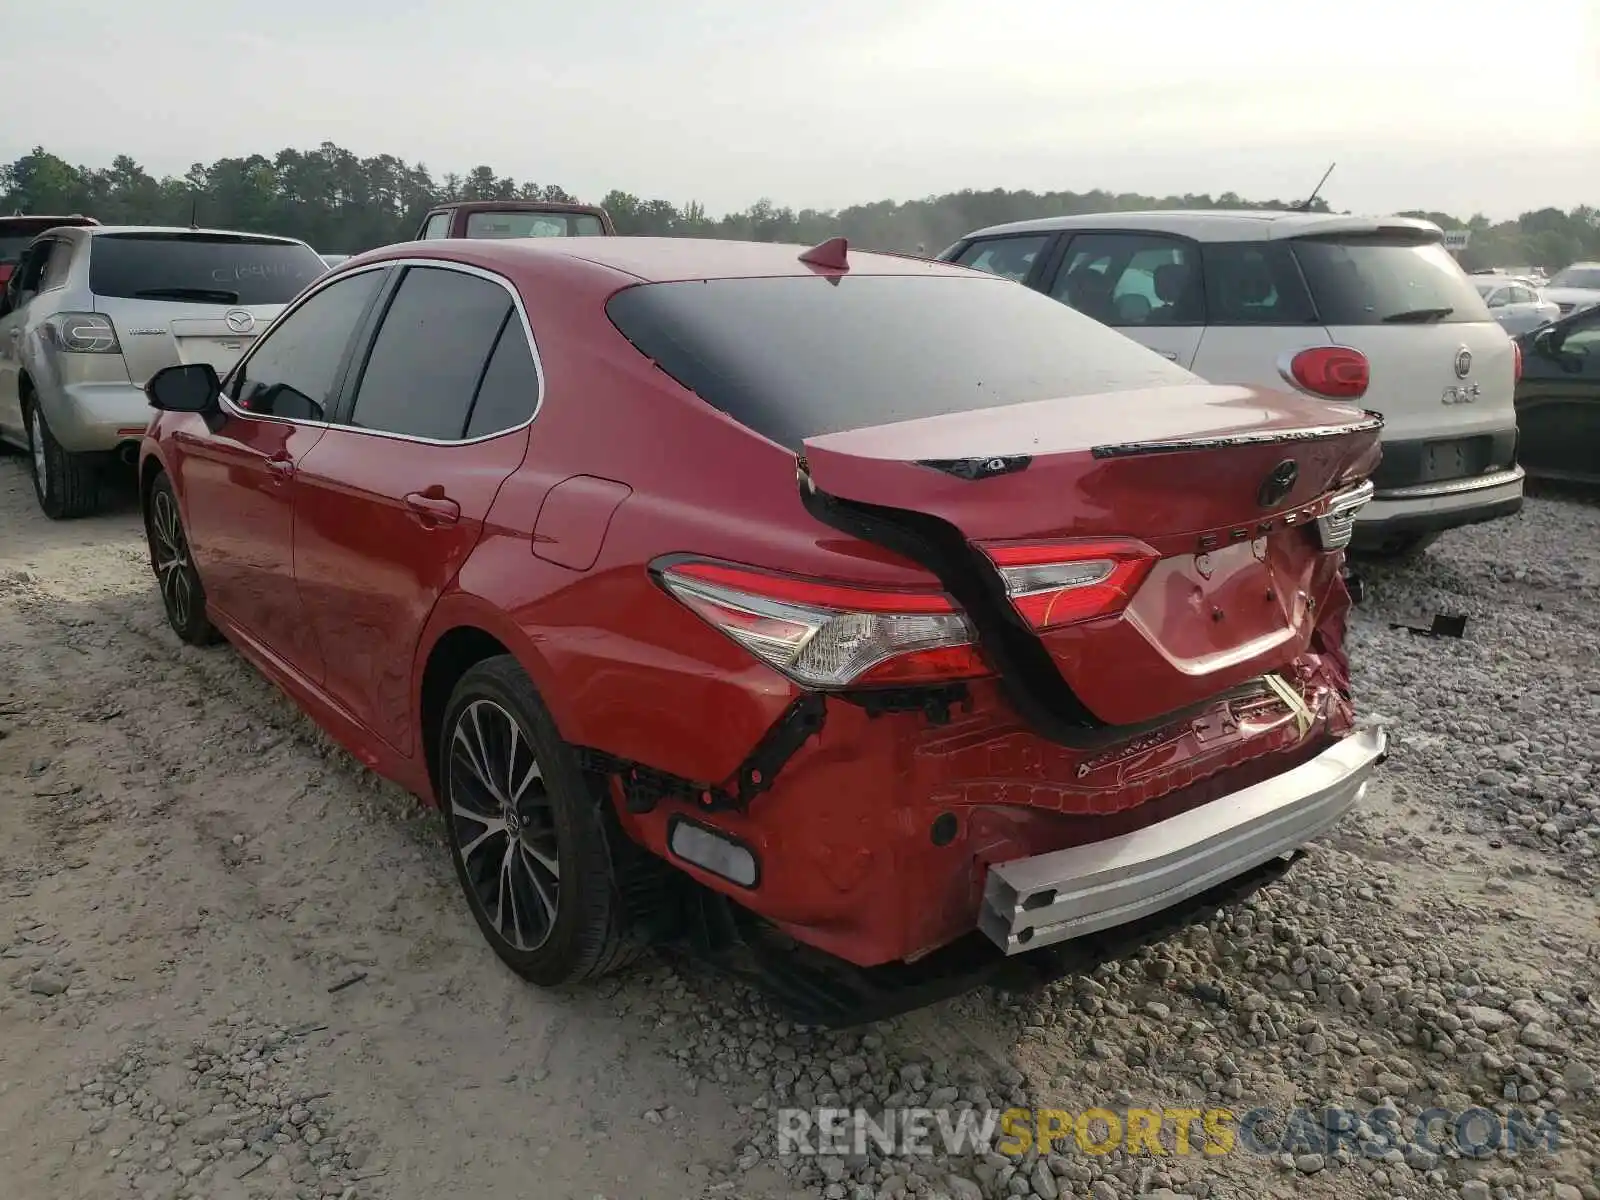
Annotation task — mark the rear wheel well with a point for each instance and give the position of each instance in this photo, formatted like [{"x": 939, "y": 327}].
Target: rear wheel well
[
  {"x": 452, "y": 656},
  {"x": 147, "y": 479}
]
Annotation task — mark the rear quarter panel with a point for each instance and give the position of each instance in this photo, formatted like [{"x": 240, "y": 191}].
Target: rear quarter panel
[{"x": 622, "y": 666}]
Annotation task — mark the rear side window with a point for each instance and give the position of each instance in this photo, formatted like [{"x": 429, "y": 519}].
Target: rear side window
[
  {"x": 796, "y": 357},
  {"x": 510, "y": 388},
  {"x": 531, "y": 224},
  {"x": 1012, "y": 257},
  {"x": 1254, "y": 283},
  {"x": 201, "y": 268},
  {"x": 438, "y": 226},
  {"x": 1384, "y": 280},
  {"x": 293, "y": 372},
  {"x": 1132, "y": 279},
  {"x": 58, "y": 267},
  {"x": 430, "y": 354}
]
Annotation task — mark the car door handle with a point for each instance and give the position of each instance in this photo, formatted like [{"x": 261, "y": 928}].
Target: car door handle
[
  {"x": 281, "y": 466},
  {"x": 434, "y": 510},
  {"x": 1171, "y": 355}
]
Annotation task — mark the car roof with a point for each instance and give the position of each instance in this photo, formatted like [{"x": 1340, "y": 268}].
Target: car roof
[
  {"x": 571, "y": 206},
  {"x": 658, "y": 260},
  {"x": 1219, "y": 225},
  {"x": 103, "y": 230}
]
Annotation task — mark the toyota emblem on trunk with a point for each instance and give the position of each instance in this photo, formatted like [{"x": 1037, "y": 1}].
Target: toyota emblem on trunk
[
  {"x": 238, "y": 320},
  {"x": 1463, "y": 362},
  {"x": 1278, "y": 484}
]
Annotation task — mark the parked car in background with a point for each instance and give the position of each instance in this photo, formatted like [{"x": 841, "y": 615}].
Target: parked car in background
[
  {"x": 496, "y": 562},
  {"x": 92, "y": 312},
  {"x": 17, "y": 230},
  {"x": 1558, "y": 399},
  {"x": 1515, "y": 304},
  {"x": 1575, "y": 288},
  {"x": 515, "y": 219},
  {"x": 1349, "y": 308}
]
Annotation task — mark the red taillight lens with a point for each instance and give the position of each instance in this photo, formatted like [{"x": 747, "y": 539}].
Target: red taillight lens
[
  {"x": 1337, "y": 372},
  {"x": 1052, "y": 584},
  {"x": 1516, "y": 362},
  {"x": 827, "y": 635}
]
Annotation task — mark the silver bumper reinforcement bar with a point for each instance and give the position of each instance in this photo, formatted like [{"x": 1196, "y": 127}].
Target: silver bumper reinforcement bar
[{"x": 1049, "y": 898}]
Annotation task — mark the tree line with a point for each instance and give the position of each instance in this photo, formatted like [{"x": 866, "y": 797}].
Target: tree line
[{"x": 340, "y": 202}]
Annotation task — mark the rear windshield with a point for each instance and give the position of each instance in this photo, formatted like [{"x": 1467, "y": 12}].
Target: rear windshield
[
  {"x": 532, "y": 224},
  {"x": 1381, "y": 280},
  {"x": 201, "y": 268},
  {"x": 797, "y": 357},
  {"x": 1577, "y": 277}
]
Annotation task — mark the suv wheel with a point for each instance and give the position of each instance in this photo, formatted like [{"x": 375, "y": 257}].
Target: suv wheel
[
  {"x": 528, "y": 833},
  {"x": 182, "y": 595},
  {"x": 67, "y": 484}
]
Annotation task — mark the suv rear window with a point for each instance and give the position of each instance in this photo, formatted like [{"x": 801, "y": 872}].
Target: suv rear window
[
  {"x": 201, "y": 267},
  {"x": 1577, "y": 277},
  {"x": 1380, "y": 279},
  {"x": 532, "y": 224},
  {"x": 796, "y": 357}
]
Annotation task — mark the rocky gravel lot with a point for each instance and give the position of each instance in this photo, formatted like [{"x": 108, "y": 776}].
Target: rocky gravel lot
[{"x": 232, "y": 964}]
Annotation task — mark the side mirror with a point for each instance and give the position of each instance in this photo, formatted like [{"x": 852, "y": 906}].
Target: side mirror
[
  {"x": 1547, "y": 342},
  {"x": 191, "y": 388}
]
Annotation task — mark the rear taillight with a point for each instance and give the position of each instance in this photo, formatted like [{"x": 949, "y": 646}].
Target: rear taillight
[
  {"x": 1051, "y": 584},
  {"x": 1516, "y": 362},
  {"x": 82, "y": 333},
  {"x": 1335, "y": 372},
  {"x": 829, "y": 636}
]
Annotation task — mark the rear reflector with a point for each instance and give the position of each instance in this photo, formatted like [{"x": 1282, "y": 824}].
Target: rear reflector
[
  {"x": 1516, "y": 361},
  {"x": 1336, "y": 372},
  {"x": 1052, "y": 584},
  {"x": 828, "y": 636},
  {"x": 713, "y": 851}
]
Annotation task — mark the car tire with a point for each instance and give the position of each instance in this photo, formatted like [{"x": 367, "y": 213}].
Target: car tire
[
  {"x": 1402, "y": 548},
  {"x": 67, "y": 485},
  {"x": 498, "y": 744},
  {"x": 182, "y": 594}
]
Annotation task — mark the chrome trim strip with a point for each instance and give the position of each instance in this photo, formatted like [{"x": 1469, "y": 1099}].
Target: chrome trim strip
[
  {"x": 1334, "y": 527},
  {"x": 1049, "y": 898},
  {"x": 1263, "y": 437},
  {"x": 1453, "y": 487},
  {"x": 335, "y": 276}
]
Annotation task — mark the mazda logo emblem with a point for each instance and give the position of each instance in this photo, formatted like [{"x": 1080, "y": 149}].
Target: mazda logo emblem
[
  {"x": 1463, "y": 362},
  {"x": 238, "y": 320},
  {"x": 1278, "y": 484}
]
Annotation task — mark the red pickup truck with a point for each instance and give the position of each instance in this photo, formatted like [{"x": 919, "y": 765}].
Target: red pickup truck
[
  {"x": 17, "y": 230},
  {"x": 515, "y": 219}
]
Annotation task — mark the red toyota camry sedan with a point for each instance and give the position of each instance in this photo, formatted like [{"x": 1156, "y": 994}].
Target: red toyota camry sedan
[{"x": 881, "y": 604}]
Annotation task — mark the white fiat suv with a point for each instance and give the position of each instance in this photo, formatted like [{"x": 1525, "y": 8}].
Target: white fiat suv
[{"x": 1368, "y": 309}]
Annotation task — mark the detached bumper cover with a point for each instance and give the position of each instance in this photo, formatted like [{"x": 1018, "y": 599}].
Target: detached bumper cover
[{"x": 1049, "y": 898}]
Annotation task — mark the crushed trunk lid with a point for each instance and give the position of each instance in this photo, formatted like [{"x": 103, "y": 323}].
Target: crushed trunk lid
[{"x": 1223, "y": 485}]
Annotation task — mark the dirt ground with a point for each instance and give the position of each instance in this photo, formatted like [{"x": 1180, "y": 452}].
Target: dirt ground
[
  {"x": 235, "y": 965},
  {"x": 192, "y": 859}
]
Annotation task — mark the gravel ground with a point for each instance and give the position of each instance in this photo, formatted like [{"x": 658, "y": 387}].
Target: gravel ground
[{"x": 233, "y": 964}]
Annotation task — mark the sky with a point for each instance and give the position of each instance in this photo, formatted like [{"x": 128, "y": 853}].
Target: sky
[{"x": 1462, "y": 107}]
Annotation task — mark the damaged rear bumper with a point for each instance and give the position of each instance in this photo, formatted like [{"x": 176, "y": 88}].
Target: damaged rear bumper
[{"x": 1050, "y": 898}]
